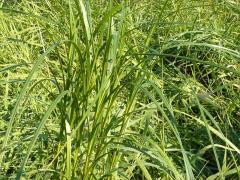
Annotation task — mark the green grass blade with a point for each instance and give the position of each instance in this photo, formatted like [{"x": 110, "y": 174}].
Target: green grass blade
[{"x": 38, "y": 131}]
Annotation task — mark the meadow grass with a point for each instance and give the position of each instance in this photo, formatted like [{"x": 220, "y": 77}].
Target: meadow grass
[{"x": 119, "y": 89}]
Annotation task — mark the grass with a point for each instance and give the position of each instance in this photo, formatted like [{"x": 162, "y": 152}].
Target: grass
[{"x": 119, "y": 89}]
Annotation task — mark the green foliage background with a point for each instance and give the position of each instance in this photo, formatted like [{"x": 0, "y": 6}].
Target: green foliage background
[{"x": 96, "y": 89}]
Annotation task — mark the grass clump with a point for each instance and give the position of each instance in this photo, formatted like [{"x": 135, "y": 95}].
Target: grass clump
[{"x": 119, "y": 89}]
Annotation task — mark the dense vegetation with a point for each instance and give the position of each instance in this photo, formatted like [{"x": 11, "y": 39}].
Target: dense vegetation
[{"x": 109, "y": 89}]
